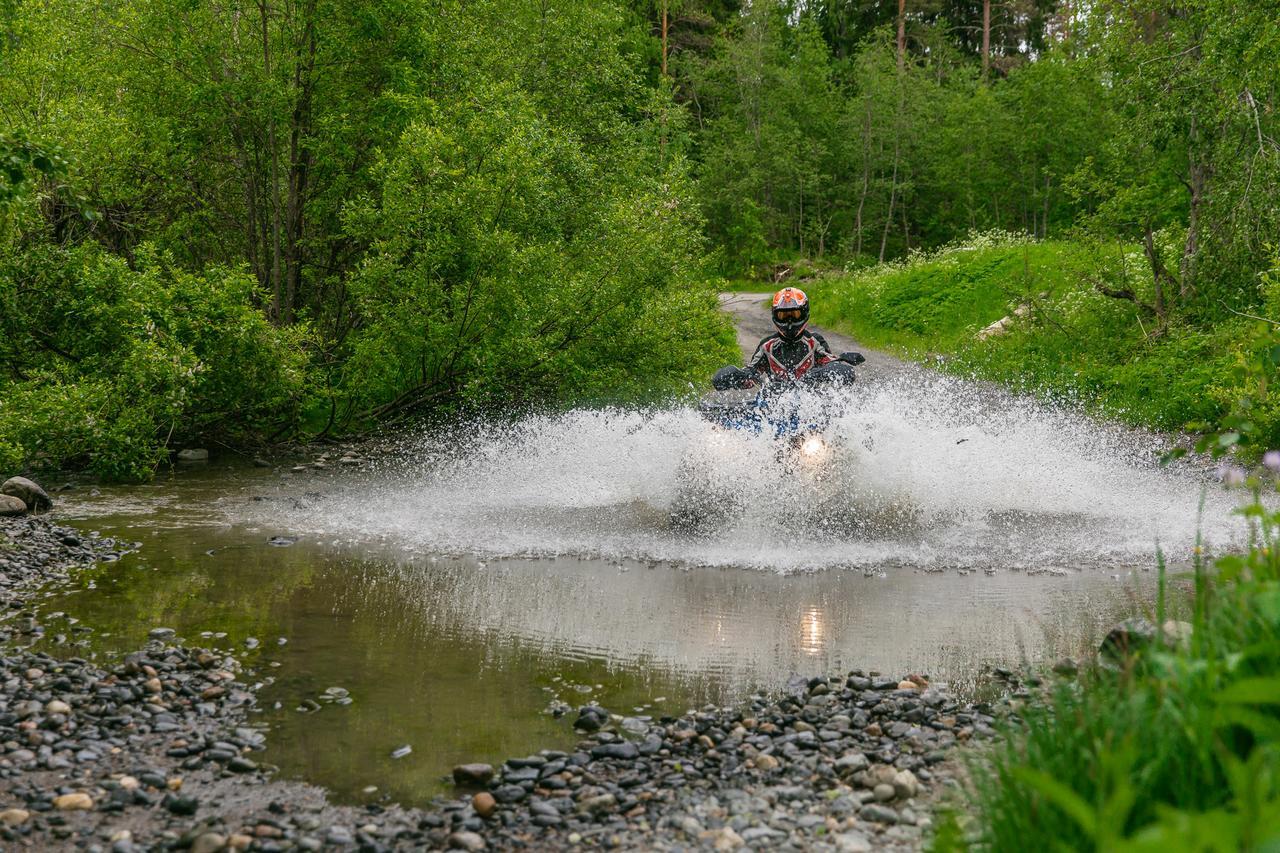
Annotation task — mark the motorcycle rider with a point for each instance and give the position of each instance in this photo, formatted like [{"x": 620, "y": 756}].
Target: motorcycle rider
[{"x": 793, "y": 350}]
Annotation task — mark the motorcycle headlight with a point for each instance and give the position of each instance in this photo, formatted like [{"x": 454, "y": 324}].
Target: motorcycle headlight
[{"x": 813, "y": 447}]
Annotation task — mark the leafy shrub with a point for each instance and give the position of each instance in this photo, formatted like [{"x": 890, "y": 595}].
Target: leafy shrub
[
  {"x": 105, "y": 365},
  {"x": 508, "y": 262}
]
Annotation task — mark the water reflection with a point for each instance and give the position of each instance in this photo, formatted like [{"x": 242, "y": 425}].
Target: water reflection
[
  {"x": 461, "y": 658},
  {"x": 813, "y": 639}
]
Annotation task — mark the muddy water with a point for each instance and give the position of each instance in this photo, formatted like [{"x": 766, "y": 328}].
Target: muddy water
[{"x": 460, "y": 657}]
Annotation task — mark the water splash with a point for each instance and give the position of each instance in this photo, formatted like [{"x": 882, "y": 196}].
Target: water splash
[{"x": 984, "y": 480}]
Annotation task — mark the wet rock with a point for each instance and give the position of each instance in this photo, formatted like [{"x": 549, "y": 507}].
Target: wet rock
[
  {"x": 193, "y": 454},
  {"x": 878, "y": 813},
  {"x": 484, "y": 804},
  {"x": 78, "y": 801},
  {"x": 182, "y": 806},
  {"x": 509, "y": 793},
  {"x": 27, "y": 491},
  {"x": 625, "y": 751},
  {"x": 14, "y": 817},
  {"x": 520, "y": 774},
  {"x": 883, "y": 793},
  {"x": 11, "y": 506},
  {"x": 591, "y": 718},
  {"x": 597, "y": 804},
  {"x": 1127, "y": 638},
  {"x": 466, "y": 841},
  {"x": 473, "y": 774}
]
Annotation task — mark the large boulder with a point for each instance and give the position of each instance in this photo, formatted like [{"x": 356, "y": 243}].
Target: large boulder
[
  {"x": 1135, "y": 635},
  {"x": 27, "y": 491},
  {"x": 9, "y": 505},
  {"x": 1127, "y": 638}
]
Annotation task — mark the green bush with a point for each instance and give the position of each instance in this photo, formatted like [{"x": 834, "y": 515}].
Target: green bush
[
  {"x": 104, "y": 365},
  {"x": 509, "y": 262}
]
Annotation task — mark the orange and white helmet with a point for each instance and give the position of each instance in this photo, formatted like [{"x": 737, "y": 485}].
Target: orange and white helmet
[{"x": 790, "y": 312}]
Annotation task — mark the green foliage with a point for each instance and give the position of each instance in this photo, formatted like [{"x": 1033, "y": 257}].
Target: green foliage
[
  {"x": 862, "y": 155},
  {"x": 1193, "y": 145},
  {"x": 103, "y": 364},
  {"x": 20, "y": 161},
  {"x": 474, "y": 205},
  {"x": 1065, "y": 339},
  {"x": 1176, "y": 750},
  {"x": 378, "y": 211}
]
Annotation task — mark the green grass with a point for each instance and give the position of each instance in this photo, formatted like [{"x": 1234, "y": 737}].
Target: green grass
[
  {"x": 1073, "y": 344},
  {"x": 1177, "y": 749}
]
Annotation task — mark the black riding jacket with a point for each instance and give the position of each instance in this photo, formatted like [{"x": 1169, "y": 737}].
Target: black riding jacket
[{"x": 778, "y": 358}]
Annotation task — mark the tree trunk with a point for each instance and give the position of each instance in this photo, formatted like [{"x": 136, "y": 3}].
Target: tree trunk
[
  {"x": 299, "y": 166},
  {"x": 906, "y": 227},
  {"x": 866, "y": 178},
  {"x": 1159, "y": 275},
  {"x": 1044, "y": 220},
  {"x": 902, "y": 34},
  {"x": 1197, "y": 184},
  {"x": 664, "y": 38},
  {"x": 800, "y": 223},
  {"x": 276, "y": 248},
  {"x": 893, "y": 196},
  {"x": 986, "y": 38}
]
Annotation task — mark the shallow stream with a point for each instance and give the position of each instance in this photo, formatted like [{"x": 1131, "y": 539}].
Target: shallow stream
[{"x": 456, "y": 591}]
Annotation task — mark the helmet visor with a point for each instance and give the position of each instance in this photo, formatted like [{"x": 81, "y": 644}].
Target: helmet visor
[{"x": 788, "y": 315}]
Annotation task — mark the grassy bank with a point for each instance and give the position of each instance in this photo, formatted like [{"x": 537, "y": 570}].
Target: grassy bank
[
  {"x": 1064, "y": 340},
  {"x": 1175, "y": 748}
]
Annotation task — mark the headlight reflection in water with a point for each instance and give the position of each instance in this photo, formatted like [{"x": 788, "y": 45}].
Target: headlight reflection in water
[{"x": 813, "y": 631}]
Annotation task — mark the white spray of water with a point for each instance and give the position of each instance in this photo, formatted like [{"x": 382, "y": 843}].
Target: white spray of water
[{"x": 989, "y": 481}]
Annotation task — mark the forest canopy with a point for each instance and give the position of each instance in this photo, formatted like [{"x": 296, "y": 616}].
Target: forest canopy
[{"x": 248, "y": 221}]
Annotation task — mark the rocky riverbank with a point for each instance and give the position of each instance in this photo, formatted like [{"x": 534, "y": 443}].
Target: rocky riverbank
[
  {"x": 156, "y": 750},
  {"x": 843, "y": 763}
]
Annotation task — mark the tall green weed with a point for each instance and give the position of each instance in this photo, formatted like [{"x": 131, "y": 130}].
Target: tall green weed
[{"x": 1176, "y": 748}]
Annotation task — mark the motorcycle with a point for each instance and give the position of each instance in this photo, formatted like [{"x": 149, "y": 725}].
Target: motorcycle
[{"x": 791, "y": 416}]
